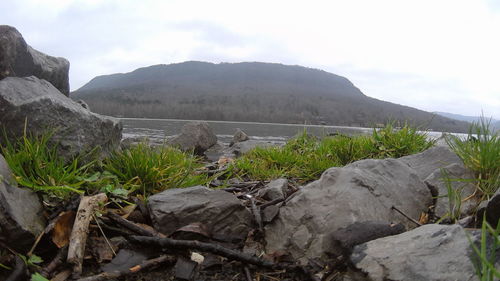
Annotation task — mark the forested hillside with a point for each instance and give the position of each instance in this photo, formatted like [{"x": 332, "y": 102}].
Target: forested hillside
[{"x": 260, "y": 92}]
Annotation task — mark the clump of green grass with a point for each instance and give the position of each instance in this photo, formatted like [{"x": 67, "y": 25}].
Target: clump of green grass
[
  {"x": 395, "y": 143},
  {"x": 480, "y": 152},
  {"x": 35, "y": 164},
  {"x": 151, "y": 170},
  {"x": 305, "y": 157},
  {"x": 487, "y": 252}
]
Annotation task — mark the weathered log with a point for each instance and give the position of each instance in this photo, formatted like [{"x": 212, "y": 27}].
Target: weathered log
[{"x": 80, "y": 230}]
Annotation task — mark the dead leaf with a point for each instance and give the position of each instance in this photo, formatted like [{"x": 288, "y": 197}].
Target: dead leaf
[
  {"x": 62, "y": 228},
  {"x": 424, "y": 218}
]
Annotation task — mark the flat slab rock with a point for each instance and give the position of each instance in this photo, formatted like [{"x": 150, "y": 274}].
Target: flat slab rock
[
  {"x": 43, "y": 108},
  {"x": 362, "y": 191},
  {"x": 221, "y": 212},
  {"x": 432, "y": 252}
]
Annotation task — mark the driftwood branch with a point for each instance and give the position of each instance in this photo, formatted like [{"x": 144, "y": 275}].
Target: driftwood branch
[
  {"x": 135, "y": 269},
  {"x": 80, "y": 231},
  {"x": 201, "y": 246}
]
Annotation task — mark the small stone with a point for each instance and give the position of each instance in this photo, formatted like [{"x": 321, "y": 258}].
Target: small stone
[
  {"x": 195, "y": 136},
  {"x": 239, "y": 136}
]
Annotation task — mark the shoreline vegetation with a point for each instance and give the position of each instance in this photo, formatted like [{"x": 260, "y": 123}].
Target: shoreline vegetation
[
  {"x": 142, "y": 170},
  {"x": 153, "y": 169}
]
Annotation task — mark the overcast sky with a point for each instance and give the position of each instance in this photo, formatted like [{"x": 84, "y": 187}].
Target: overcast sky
[{"x": 435, "y": 55}]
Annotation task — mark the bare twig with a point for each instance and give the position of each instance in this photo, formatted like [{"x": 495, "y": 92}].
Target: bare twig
[
  {"x": 270, "y": 203},
  {"x": 19, "y": 272},
  {"x": 201, "y": 246},
  {"x": 104, "y": 235},
  {"x": 38, "y": 238},
  {"x": 78, "y": 238},
  {"x": 406, "y": 216},
  {"x": 58, "y": 260},
  {"x": 132, "y": 226},
  {"x": 135, "y": 269},
  {"x": 248, "y": 275},
  {"x": 256, "y": 213}
]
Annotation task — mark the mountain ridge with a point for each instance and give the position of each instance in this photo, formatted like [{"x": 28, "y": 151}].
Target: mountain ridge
[{"x": 248, "y": 91}]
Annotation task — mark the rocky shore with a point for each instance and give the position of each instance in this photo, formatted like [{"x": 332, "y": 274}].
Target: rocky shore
[{"x": 374, "y": 219}]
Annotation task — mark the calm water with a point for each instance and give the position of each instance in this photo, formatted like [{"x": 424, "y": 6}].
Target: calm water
[{"x": 159, "y": 129}]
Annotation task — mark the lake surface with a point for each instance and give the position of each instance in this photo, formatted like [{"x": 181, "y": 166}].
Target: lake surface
[{"x": 159, "y": 129}]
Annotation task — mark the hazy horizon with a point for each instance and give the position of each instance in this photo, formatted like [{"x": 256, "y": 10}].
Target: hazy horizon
[{"x": 434, "y": 56}]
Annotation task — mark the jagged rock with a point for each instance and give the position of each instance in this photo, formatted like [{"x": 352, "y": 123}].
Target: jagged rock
[
  {"x": 460, "y": 181},
  {"x": 362, "y": 191},
  {"x": 275, "y": 189},
  {"x": 491, "y": 208},
  {"x": 5, "y": 173},
  {"x": 239, "y": 136},
  {"x": 196, "y": 136},
  {"x": 21, "y": 214},
  {"x": 18, "y": 59},
  {"x": 432, "y": 252},
  {"x": 218, "y": 210},
  {"x": 428, "y": 161},
  {"x": 43, "y": 109}
]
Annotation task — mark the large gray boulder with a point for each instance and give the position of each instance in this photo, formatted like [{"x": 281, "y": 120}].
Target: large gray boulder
[
  {"x": 21, "y": 214},
  {"x": 459, "y": 179},
  {"x": 426, "y": 162},
  {"x": 18, "y": 59},
  {"x": 432, "y": 253},
  {"x": 362, "y": 191},
  {"x": 43, "y": 109},
  {"x": 195, "y": 136},
  {"x": 218, "y": 210}
]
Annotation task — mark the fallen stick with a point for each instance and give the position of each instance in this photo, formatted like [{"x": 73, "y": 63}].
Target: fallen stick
[
  {"x": 78, "y": 237},
  {"x": 201, "y": 246},
  {"x": 274, "y": 202},
  {"x": 20, "y": 271},
  {"x": 256, "y": 214},
  {"x": 248, "y": 275},
  {"x": 132, "y": 226},
  {"x": 406, "y": 216},
  {"x": 135, "y": 269},
  {"x": 58, "y": 260}
]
